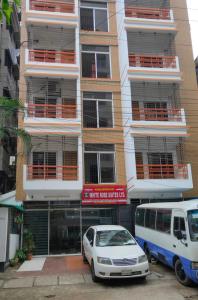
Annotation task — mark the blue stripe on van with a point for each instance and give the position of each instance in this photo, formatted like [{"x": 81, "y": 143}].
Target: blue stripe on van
[{"x": 167, "y": 256}]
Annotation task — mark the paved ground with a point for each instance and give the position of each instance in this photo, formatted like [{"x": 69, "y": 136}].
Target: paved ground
[{"x": 62, "y": 280}]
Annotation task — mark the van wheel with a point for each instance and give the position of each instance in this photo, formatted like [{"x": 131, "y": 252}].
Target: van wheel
[
  {"x": 180, "y": 274},
  {"x": 93, "y": 274},
  {"x": 84, "y": 257}
]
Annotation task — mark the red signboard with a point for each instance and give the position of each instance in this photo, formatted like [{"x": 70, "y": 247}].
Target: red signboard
[{"x": 104, "y": 194}]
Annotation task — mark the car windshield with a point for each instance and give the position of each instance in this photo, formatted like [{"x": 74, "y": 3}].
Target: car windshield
[
  {"x": 108, "y": 238},
  {"x": 193, "y": 224}
]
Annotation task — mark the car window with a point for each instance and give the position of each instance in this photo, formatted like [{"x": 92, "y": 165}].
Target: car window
[
  {"x": 108, "y": 238},
  {"x": 90, "y": 234},
  {"x": 179, "y": 225}
]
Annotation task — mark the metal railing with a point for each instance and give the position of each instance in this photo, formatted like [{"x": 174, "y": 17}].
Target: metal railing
[
  {"x": 157, "y": 114},
  {"x": 163, "y": 171},
  {"x": 52, "y": 6},
  {"x": 46, "y": 172},
  {"x": 52, "y": 111},
  {"x": 51, "y": 56},
  {"x": 147, "y": 13},
  {"x": 152, "y": 61}
]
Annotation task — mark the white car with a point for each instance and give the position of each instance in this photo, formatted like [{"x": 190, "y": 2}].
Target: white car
[{"x": 112, "y": 252}]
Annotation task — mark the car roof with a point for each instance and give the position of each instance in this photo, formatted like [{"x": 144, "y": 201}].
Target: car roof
[{"x": 107, "y": 227}]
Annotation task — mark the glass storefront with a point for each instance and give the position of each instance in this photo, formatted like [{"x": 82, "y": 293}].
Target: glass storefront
[{"x": 59, "y": 229}]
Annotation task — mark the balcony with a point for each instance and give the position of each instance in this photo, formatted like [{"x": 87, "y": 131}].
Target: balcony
[
  {"x": 140, "y": 16},
  {"x": 52, "y": 6},
  {"x": 50, "y": 53},
  {"x": 56, "y": 12},
  {"x": 53, "y": 105},
  {"x": 160, "y": 62},
  {"x": 160, "y": 170},
  {"x": 54, "y": 167},
  {"x": 158, "y": 114}
]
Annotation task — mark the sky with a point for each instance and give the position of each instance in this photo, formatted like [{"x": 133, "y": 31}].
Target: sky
[{"x": 193, "y": 17}]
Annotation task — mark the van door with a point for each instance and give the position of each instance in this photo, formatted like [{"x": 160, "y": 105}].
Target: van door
[{"x": 179, "y": 233}]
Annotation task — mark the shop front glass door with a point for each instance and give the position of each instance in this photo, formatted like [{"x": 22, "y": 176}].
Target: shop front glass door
[{"x": 65, "y": 234}]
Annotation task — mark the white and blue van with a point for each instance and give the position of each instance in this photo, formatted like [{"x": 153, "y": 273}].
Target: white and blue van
[{"x": 169, "y": 233}]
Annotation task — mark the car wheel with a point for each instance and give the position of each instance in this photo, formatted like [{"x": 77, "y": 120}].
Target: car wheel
[
  {"x": 180, "y": 274},
  {"x": 84, "y": 257},
  {"x": 93, "y": 274}
]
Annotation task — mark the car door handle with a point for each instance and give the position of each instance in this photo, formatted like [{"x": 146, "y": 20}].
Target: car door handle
[{"x": 174, "y": 245}]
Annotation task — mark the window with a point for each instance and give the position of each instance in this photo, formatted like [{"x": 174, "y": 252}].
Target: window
[
  {"x": 179, "y": 225},
  {"x": 95, "y": 61},
  {"x": 44, "y": 165},
  {"x": 140, "y": 213},
  {"x": 90, "y": 235},
  {"x": 8, "y": 61},
  {"x": 161, "y": 165},
  {"x": 93, "y": 16},
  {"x": 97, "y": 110},
  {"x": 163, "y": 222},
  {"x": 99, "y": 163},
  {"x": 150, "y": 218},
  {"x": 156, "y": 111}
]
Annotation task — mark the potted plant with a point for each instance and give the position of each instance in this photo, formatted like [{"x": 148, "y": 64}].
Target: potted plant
[{"x": 28, "y": 244}]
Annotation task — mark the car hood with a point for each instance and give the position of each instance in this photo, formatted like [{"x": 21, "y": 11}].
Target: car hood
[{"x": 119, "y": 252}]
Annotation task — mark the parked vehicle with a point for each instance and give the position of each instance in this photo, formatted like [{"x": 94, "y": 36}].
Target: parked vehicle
[
  {"x": 169, "y": 233},
  {"x": 112, "y": 252}
]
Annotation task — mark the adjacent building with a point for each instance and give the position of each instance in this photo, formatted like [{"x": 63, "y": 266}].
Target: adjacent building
[
  {"x": 9, "y": 76},
  {"x": 109, "y": 89}
]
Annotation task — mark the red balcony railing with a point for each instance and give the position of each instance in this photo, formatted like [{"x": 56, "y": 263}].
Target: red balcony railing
[
  {"x": 52, "y": 6},
  {"x": 152, "y": 61},
  {"x": 52, "y": 111},
  {"x": 157, "y": 114},
  {"x": 46, "y": 172},
  {"x": 51, "y": 56},
  {"x": 157, "y": 171},
  {"x": 147, "y": 13}
]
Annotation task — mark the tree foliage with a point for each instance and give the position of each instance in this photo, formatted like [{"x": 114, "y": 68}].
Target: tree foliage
[{"x": 6, "y": 9}]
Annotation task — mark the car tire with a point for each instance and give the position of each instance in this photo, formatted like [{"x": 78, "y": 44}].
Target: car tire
[
  {"x": 93, "y": 274},
  {"x": 84, "y": 257},
  {"x": 180, "y": 274}
]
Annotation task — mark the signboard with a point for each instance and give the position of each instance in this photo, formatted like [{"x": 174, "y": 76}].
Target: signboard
[{"x": 104, "y": 194}]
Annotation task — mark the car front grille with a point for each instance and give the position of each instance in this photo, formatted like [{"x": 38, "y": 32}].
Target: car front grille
[
  {"x": 120, "y": 274},
  {"x": 125, "y": 262}
]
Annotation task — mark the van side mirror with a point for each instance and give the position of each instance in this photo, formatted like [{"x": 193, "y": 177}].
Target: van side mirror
[{"x": 178, "y": 234}]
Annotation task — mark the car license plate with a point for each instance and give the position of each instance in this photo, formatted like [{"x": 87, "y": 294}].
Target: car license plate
[{"x": 126, "y": 272}]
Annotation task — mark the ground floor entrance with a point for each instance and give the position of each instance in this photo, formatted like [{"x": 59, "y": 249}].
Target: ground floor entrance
[{"x": 59, "y": 230}]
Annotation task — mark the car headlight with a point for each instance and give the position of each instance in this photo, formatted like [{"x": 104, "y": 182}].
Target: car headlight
[
  {"x": 104, "y": 260},
  {"x": 194, "y": 265},
  {"x": 142, "y": 258}
]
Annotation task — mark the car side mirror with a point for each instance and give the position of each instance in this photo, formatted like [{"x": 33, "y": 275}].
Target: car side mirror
[{"x": 179, "y": 234}]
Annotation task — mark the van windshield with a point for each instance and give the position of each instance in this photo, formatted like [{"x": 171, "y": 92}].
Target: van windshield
[{"x": 193, "y": 224}]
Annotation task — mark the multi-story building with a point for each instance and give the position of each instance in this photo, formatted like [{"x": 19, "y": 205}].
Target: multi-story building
[
  {"x": 108, "y": 87},
  {"x": 9, "y": 75}
]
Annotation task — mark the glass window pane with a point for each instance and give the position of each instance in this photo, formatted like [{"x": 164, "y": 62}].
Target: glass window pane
[
  {"x": 140, "y": 216},
  {"x": 88, "y": 65},
  {"x": 93, "y": 4},
  {"x": 97, "y": 95},
  {"x": 163, "y": 222},
  {"x": 105, "y": 114},
  {"x": 107, "y": 168},
  {"x": 99, "y": 147},
  {"x": 95, "y": 48},
  {"x": 86, "y": 19},
  {"x": 150, "y": 218},
  {"x": 91, "y": 168},
  {"x": 89, "y": 114},
  {"x": 101, "y": 20},
  {"x": 103, "y": 66}
]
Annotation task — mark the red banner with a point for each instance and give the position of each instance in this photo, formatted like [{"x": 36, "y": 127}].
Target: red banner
[{"x": 104, "y": 194}]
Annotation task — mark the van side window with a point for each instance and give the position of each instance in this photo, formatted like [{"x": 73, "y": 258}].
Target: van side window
[
  {"x": 140, "y": 216},
  {"x": 179, "y": 225},
  {"x": 150, "y": 218},
  {"x": 163, "y": 222}
]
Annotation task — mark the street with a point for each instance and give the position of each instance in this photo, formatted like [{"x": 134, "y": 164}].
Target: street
[{"x": 161, "y": 284}]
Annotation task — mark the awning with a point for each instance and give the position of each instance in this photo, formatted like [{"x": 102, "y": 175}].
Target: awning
[{"x": 9, "y": 200}]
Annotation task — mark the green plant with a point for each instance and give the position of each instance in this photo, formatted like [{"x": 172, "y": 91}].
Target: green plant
[
  {"x": 14, "y": 261},
  {"x": 28, "y": 242},
  {"x": 6, "y": 9},
  {"x": 18, "y": 219},
  {"x": 20, "y": 254}
]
